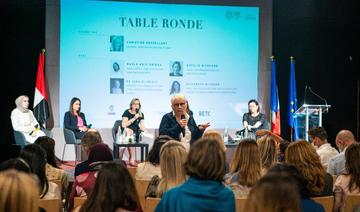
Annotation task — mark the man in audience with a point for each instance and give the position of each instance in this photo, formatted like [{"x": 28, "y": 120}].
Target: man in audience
[
  {"x": 336, "y": 164},
  {"x": 318, "y": 137}
]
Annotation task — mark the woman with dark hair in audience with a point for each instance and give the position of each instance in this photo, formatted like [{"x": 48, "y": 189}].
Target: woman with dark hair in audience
[
  {"x": 269, "y": 150},
  {"x": 303, "y": 155},
  {"x": 15, "y": 163},
  {"x": 18, "y": 192},
  {"x": 349, "y": 183},
  {"x": 204, "y": 190},
  {"x": 53, "y": 172},
  {"x": 35, "y": 156},
  {"x": 114, "y": 190},
  {"x": 245, "y": 168},
  {"x": 151, "y": 167},
  {"x": 274, "y": 193},
  {"x": 84, "y": 183},
  {"x": 87, "y": 141},
  {"x": 291, "y": 171}
]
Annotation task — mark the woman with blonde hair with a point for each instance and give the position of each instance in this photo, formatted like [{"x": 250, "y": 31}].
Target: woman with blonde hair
[
  {"x": 180, "y": 123},
  {"x": 204, "y": 190},
  {"x": 212, "y": 134},
  {"x": 245, "y": 168},
  {"x": 133, "y": 124},
  {"x": 172, "y": 159},
  {"x": 19, "y": 192},
  {"x": 303, "y": 155},
  {"x": 269, "y": 149},
  {"x": 348, "y": 183}
]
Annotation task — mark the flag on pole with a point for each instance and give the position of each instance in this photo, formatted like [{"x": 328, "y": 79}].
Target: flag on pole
[
  {"x": 274, "y": 101},
  {"x": 292, "y": 101},
  {"x": 41, "y": 108}
]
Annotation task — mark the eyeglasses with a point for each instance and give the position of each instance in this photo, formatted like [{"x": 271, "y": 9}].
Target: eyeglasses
[{"x": 182, "y": 104}]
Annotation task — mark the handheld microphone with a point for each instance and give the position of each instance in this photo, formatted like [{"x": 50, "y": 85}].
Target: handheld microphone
[
  {"x": 36, "y": 126},
  {"x": 183, "y": 129},
  {"x": 319, "y": 97},
  {"x": 137, "y": 110}
]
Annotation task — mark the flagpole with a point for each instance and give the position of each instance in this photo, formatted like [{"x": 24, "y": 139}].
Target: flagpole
[{"x": 292, "y": 130}]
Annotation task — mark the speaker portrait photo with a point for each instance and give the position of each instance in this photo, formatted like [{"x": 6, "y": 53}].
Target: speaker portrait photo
[
  {"x": 175, "y": 87},
  {"x": 116, "y": 68},
  {"x": 176, "y": 69},
  {"x": 116, "y": 43},
  {"x": 116, "y": 85}
]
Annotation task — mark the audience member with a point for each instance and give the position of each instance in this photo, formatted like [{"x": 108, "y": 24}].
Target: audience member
[
  {"x": 269, "y": 150},
  {"x": 349, "y": 183},
  {"x": 288, "y": 170},
  {"x": 53, "y": 172},
  {"x": 303, "y": 155},
  {"x": 204, "y": 190},
  {"x": 88, "y": 141},
  {"x": 215, "y": 135},
  {"x": 274, "y": 193},
  {"x": 245, "y": 168},
  {"x": 114, "y": 190},
  {"x": 172, "y": 159},
  {"x": 318, "y": 137},
  {"x": 16, "y": 163},
  {"x": 24, "y": 121},
  {"x": 336, "y": 164},
  {"x": 18, "y": 192},
  {"x": 35, "y": 156},
  {"x": 84, "y": 183},
  {"x": 283, "y": 146},
  {"x": 151, "y": 167}
]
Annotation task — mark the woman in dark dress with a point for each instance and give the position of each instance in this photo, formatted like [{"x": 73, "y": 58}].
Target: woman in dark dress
[
  {"x": 253, "y": 120},
  {"x": 133, "y": 124}
]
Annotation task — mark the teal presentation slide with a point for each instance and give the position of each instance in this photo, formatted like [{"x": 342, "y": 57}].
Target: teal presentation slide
[{"x": 112, "y": 52}]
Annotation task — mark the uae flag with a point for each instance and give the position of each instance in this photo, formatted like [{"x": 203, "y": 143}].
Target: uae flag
[{"x": 41, "y": 108}]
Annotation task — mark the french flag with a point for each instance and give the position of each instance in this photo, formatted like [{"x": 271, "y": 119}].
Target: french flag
[
  {"x": 274, "y": 101},
  {"x": 41, "y": 107}
]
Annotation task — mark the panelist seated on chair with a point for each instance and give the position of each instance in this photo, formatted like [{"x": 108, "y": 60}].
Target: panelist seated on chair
[
  {"x": 74, "y": 119},
  {"x": 24, "y": 121},
  {"x": 253, "y": 120},
  {"x": 180, "y": 123},
  {"x": 133, "y": 124}
]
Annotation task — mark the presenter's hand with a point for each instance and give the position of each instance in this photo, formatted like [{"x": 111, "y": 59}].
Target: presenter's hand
[
  {"x": 183, "y": 123},
  {"x": 204, "y": 126},
  {"x": 136, "y": 116},
  {"x": 83, "y": 129}
]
